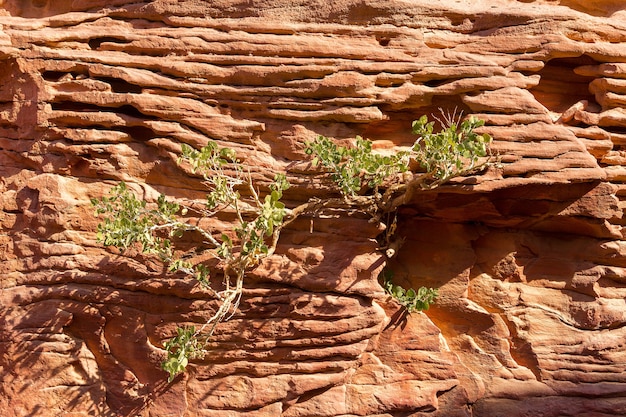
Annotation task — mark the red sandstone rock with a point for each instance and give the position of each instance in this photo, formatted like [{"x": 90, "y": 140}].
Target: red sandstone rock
[{"x": 529, "y": 255}]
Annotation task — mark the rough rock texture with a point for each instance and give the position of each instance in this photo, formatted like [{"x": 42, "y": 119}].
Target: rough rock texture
[{"x": 529, "y": 257}]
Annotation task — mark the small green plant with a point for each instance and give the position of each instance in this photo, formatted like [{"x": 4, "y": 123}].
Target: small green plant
[
  {"x": 182, "y": 348},
  {"x": 410, "y": 299},
  {"x": 454, "y": 150}
]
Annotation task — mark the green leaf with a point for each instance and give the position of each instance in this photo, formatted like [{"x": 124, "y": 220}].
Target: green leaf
[{"x": 410, "y": 294}]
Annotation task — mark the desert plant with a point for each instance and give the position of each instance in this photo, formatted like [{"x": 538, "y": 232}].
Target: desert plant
[
  {"x": 154, "y": 228},
  {"x": 372, "y": 182},
  {"x": 367, "y": 181},
  {"x": 410, "y": 299}
]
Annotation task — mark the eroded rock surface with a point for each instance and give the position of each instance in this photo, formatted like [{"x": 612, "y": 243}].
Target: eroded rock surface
[{"x": 529, "y": 256}]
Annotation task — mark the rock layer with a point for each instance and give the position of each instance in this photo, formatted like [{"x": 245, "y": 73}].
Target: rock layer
[{"x": 528, "y": 255}]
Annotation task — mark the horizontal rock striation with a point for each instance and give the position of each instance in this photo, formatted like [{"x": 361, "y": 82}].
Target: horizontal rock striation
[{"x": 529, "y": 255}]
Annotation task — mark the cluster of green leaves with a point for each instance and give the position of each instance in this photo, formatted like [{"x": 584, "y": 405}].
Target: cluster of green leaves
[
  {"x": 131, "y": 221},
  {"x": 453, "y": 150},
  {"x": 357, "y": 168},
  {"x": 181, "y": 348},
  {"x": 410, "y": 299},
  {"x": 135, "y": 222},
  {"x": 210, "y": 161},
  {"x": 252, "y": 235}
]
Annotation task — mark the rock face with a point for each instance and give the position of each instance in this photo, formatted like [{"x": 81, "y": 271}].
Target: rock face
[{"x": 529, "y": 256}]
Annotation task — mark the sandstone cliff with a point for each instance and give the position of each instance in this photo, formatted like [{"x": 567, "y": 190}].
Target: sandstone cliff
[{"x": 529, "y": 257}]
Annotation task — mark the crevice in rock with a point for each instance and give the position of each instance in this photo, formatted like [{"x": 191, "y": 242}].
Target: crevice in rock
[
  {"x": 521, "y": 350},
  {"x": 383, "y": 41},
  {"x": 121, "y": 86},
  {"x": 313, "y": 393},
  {"x": 139, "y": 133},
  {"x": 126, "y": 109},
  {"x": 560, "y": 87},
  {"x": 95, "y": 43},
  {"x": 438, "y": 82},
  {"x": 72, "y": 106},
  {"x": 56, "y": 76}
]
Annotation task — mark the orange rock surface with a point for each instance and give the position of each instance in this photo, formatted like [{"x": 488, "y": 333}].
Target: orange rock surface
[{"x": 529, "y": 256}]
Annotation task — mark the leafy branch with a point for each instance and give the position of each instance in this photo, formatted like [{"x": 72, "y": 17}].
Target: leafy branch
[
  {"x": 454, "y": 151},
  {"x": 358, "y": 169},
  {"x": 154, "y": 228}
]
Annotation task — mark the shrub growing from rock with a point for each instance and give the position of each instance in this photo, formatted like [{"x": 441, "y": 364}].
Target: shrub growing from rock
[{"x": 366, "y": 180}]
